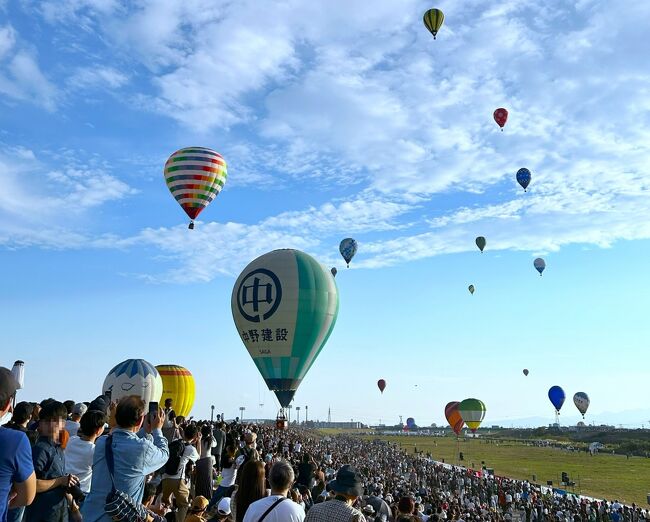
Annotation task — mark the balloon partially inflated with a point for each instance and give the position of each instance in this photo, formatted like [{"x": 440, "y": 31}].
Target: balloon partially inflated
[
  {"x": 472, "y": 412},
  {"x": 284, "y": 305},
  {"x": 134, "y": 377},
  {"x": 178, "y": 385}
]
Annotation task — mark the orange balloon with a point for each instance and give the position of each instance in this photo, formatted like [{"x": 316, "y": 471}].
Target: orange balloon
[{"x": 453, "y": 417}]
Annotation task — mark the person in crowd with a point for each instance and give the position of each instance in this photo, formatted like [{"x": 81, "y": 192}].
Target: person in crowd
[
  {"x": 347, "y": 488},
  {"x": 405, "y": 509},
  {"x": 249, "y": 451},
  {"x": 223, "y": 513},
  {"x": 170, "y": 426},
  {"x": 52, "y": 482},
  {"x": 183, "y": 452},
  {"x": 306, "y": 471},
  {"x": 251, "y": 487},
  {"x": 197, "y": 509},
  {"x": 139, "y": 449},
  {"x": 228, "y": 475},
  {"x": 205, "y": 464},
  {"x": 72, "y": 424},
  {"x": 219, "y": 436},
  {"x": 80, "y": 449},
  {"x": 17, "y": 477},
  {"x": 20, "y": 420},
  {"x": 277, "y": 507}
]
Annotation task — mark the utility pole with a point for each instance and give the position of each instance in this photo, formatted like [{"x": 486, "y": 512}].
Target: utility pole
[
  {"x": 212, "y": 413},
  {"x": 241, "y": 413},
  {"x": 400, "y": 421},
  {"x": 306, "y": 412},
  {"x": 289, "y": 408},
  {"x": 329, "y": 414},
  {"x": 298, "y": 414}
]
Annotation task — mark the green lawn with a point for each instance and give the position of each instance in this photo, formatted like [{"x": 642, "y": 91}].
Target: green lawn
[{"x": 601, "y": 476}]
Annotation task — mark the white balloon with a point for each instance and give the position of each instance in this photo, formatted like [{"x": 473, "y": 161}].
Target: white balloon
[{"x": 134, "y": 377}]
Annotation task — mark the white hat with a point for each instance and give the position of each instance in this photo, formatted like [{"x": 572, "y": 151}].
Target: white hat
[{"x": 223, "y": 507}]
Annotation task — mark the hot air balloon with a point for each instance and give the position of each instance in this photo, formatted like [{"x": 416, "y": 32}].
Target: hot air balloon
[
  {"x": 284, "y": 305},
  {"x": 134, "y": 377},
  {"x": 178, "y": 385},
  {"x": 433, "y": 19},
  {"x": 480, "y": 243},
  {"x": 523, "y": 178},
  {"x": 525, "y": 372},
  {"x": 410, "y": 423},
  {"x": 348, "y": 248},
  {"x": 539, "y": 265},
  {"x": 501, "y": 117},
  {"x": 581, "y": 400},
  {"x": 381, "y": 384},
  {"x": 334, "y": 271},
  {"x": 472, "y": 412},
  {"x": 195, "y": 176},
  {"x": 471, "y": 289},
  {"x": 556, "y": 396},
  {"x": 453, "y": 417}
]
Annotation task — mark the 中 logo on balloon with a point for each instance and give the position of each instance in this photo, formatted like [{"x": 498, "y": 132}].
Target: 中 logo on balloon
[{"x": 259, "y": 295}]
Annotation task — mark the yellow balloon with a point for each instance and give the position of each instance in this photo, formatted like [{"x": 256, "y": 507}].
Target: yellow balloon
[{"x": 178, "y": 385}]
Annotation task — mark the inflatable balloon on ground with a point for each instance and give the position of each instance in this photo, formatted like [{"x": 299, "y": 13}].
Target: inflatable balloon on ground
[
  {"x": 381, "y": 384},
  {"x": 523, "y": 178},
  {"x": 556, "y": 395},
  {"x": 284, "y": 305},
  {"x": 480, "y": 243},
  {"x": 454, "y": 417},
  {"x": 134, "y": 377},
  {"x": 472, "y": 412},
  {"x": 525, "y": 372},
  {"x": 178, "y": 385},
  {"x": 195, "y": 176},
  {"x": 581, "y": 400},
  {"x": 471, "y": 289},
  {"x": 433, "y": 19},
  {"x": 348, "y": 248},
  {"x": 501, "y": 117},
  {"x": 539, "y": 265}
]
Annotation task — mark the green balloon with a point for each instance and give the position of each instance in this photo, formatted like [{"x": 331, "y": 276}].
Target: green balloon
[
  {"x": 471, "y": 289},
  {"x": 480, "y": 243},
  {"x": 284, "y": 305},
  {"x": 472, "y": 411}
]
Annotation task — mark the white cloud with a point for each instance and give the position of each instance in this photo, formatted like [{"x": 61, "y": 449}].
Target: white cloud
[
  {"x": 24, "y": 80},
  {"x": 7, "y": 40},
  {"x": 97, "y": 77}
]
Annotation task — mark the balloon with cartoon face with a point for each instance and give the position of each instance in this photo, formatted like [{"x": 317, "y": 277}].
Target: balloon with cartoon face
[{"x": 134, "y": 377}]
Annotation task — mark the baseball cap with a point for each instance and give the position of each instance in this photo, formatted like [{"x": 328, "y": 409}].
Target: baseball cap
[
  {"x": 223, "y": 508},
  {"x": 79, "y": 409},
  {"x": 8, "y": 385}
]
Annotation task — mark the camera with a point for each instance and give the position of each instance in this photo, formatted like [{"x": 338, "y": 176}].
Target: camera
[{"x": 76, "y": 493}]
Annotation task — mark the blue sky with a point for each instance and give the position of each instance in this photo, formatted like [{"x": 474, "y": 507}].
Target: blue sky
[{"x": 336, "y": 120}]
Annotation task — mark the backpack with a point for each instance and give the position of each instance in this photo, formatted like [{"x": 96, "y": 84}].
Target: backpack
[{"x": 176, "y": 450}]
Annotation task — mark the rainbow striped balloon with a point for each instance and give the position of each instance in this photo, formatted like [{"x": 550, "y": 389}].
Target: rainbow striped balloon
[{"x": 195, "y": 176}]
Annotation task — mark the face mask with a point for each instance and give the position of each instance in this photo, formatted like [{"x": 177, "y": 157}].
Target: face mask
[{"x": 5, "y": 418}]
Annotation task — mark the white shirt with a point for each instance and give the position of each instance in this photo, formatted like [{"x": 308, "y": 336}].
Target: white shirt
[
  {"x": 79, "y": 460},
  {"x": 189, "y": 453},
  {"x": 72, "y": 427},
  {"x": 228, "y": 476},
  {"x": 285, "y": 511}
]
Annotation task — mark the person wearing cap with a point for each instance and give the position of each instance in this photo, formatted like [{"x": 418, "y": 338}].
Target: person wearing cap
[
  {"x": 223, "y": 511},
  {"x": 17, "y": 477},
  {"x": 72, "y": 424},
  {"x": 277, "y": 507},
  {"x": 197, "y": 510},
  {"x": 369, "y": 513},
  {"x": 347, "y": 488}
]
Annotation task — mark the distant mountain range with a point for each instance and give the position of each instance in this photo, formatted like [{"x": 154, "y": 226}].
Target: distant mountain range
[{"x": 630, "y": 419}]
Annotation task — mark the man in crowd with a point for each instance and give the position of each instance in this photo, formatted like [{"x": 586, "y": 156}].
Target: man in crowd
[
  {"x": 220, "y": 438},
  {"x": 170, "y": 427},
  {"x": 50, "y": 504},
  {"x": 277, "y": 507},
  {"x": 347, "y": 488},
  {"x": 20, "y": 420},
  {"x": 17, "y": 478},
  {"x": 72, "y": 424},
  {"x": 136, "y": 453},
  {"x": 182, "y": 452},
  {"x": 80, "y": 449}
]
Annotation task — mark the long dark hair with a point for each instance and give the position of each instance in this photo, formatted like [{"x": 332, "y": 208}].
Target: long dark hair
[
  {"x": 252, "y": 487},
  {"x": 228, "y": 456}
]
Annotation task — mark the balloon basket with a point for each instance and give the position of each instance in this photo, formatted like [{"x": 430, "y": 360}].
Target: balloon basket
[
  {"x": 281, "y": 422},
  {"x": 191, "y": 226}
]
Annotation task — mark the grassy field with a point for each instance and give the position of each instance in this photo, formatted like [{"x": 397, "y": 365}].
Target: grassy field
[{"x": 601, "y": 476}]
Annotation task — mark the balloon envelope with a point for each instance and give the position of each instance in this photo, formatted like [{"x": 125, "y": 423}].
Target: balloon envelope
[
  {"x": 348, "y": 248},
  {"x": 134, "y": 377},
  {"x": 472, "y": 412},
  {"x": 526, "y": 372},
  {"x": 334, "y": 271},
  {"x": 471, "y": 289},
  {"x": 523, "y": 178},
  {"x": 480, "y": 243},
  {"x": 178, "y": 385},
  {"x": 410, "y": 423},
  {"x": 501, "y": 116},
  {"x": 433, "y": 19},
  {"x": 581, "y": 400},
  {"x": 195, "y": 176},
  {"x": 453, "y": 416},
  {"x": 556, "y": 395},
  {"x": 381, "y": 384},
  {"x": 284, "y": 305},
  {"x": 539, "y": 265}
]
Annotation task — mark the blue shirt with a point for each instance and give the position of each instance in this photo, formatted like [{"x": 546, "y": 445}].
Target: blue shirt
[
  {"x": 15, "y": 464},
  {"x": 135, "y": 456},
  {"x": 49, "y": 463}
]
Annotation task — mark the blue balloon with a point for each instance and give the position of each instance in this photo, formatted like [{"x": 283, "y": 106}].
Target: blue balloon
[
  {"x": 556, "y": 396},
  {"x": 348, "y": 248},
  {"x": 539, "y": 265},
  {"x": 523, "y": 178},
  {"x": 410, "y": 423}
]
